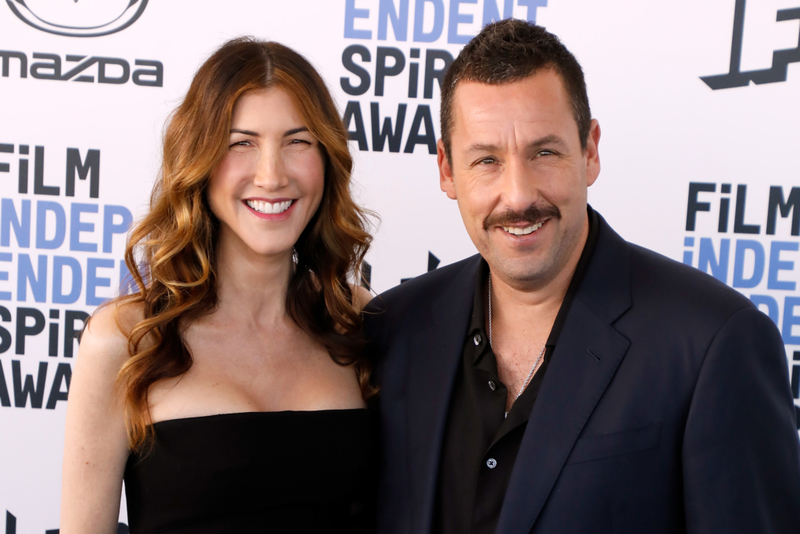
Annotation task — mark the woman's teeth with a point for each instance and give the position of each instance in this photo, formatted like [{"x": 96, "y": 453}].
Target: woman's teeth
[
  {"x": 262, "y": 206},
  {"x": 523, "y": 231}
]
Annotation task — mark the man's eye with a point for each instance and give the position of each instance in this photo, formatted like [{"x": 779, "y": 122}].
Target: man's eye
[
  {"x": 546, "y": 152},
  {"x": 486, "y": 161}
]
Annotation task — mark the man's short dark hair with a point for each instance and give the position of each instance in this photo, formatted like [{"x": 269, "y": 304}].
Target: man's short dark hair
[{"x": 508, "y": 51}]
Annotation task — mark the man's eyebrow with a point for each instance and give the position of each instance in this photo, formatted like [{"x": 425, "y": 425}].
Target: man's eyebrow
[
  {"x": 481, "y": 147},
  {"x": 546, "y": 140},
  {"x": 245, "y": 132},
  {"x": 537, "y": 143}
]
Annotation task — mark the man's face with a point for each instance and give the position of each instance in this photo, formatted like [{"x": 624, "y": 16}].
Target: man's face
[{"x": 520, "y": 176}]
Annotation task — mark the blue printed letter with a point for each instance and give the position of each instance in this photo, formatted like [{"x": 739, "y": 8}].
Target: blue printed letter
[
  {"x": 457, "y": 18},
  {"x": 76, "y": 226},
  {"x": 742, "y": 246},
  {"x": 491, "y": 12},
  {"x": 42, "y": 208},
  {"x": 59, "y": 262},
  {"x": 350, "y": 16},
  {"x": 790, "y": 320},
  {"x": 532, "y": 5},
  {"x": 420, "y": 36},
  {"x": 708, "y": 262},
  {"x": 93, "y": 281},
  {"x": 776, "y": 265},
  {"x": 109, "y": 228},
  {"x": 386, "y": 11}
]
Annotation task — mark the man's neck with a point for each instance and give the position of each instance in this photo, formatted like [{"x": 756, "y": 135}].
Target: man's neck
[{"x": 522, "y": 317}]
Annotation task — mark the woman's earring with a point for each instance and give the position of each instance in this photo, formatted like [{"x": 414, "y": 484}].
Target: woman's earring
[{"x": 295, "y": 258}]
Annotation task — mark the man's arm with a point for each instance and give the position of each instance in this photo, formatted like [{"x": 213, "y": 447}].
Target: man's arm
[{"x": 741, "y": 454}]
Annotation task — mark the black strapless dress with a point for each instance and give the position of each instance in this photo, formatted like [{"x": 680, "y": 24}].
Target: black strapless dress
[{"x": 256, "y": 472}]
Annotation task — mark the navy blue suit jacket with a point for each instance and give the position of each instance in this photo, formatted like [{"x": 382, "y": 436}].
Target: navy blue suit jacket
[{"x": 666, "y": 407}]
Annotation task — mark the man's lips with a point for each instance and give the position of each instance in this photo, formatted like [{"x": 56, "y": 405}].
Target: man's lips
[
  {"x": 523, "y": 230},
  {"x": 527, "y": 221}
]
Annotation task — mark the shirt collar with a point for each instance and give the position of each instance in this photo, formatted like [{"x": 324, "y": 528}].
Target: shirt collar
[{"x": 478, "y": 324}]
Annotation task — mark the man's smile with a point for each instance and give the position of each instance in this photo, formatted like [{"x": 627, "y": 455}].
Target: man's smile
[{"x": 514, "y": 230}]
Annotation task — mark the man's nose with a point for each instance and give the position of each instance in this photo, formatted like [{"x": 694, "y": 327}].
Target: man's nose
[
  {"x": 270, "y": 171},
  {"x": 520, "y": 188}
]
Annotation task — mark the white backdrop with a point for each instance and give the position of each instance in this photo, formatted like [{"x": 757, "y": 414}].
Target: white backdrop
[{"x": 89, "y": 109}]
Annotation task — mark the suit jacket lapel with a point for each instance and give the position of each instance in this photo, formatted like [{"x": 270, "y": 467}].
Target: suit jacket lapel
[
  {"x": 587, "y": 355},
  {"x": 433, "y": 366}
]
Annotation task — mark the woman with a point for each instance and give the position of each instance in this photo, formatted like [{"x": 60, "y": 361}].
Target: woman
[{"x": 227, "y": 390}]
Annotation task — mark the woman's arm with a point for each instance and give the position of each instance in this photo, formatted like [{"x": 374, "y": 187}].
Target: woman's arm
[{"x": 96, "y": 443}]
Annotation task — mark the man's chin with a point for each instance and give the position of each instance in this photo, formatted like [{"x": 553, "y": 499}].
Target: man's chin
[{"x": 524, "y": 271}]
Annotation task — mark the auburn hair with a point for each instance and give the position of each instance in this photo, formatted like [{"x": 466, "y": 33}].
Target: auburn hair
[{"x": 171, "y": 251}]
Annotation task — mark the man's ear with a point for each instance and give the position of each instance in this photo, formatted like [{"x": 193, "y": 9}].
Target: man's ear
[
  {"x": 592, "y": 153},
  {"x": 445, "y": 172}
]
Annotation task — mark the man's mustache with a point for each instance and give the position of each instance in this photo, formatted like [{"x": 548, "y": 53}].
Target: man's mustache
[{"x": 533, "y": 214}]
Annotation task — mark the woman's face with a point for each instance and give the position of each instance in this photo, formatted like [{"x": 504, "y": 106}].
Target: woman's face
[{"x": 270, "y": 182}]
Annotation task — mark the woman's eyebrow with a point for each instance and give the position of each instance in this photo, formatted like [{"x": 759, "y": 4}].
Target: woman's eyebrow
[
  {"x": 286, "y": 133},
  {"x": 245, "y": 132},
  {"x": 295, "y": 130}
]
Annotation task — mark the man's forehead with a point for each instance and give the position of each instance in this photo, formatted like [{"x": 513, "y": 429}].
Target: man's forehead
[
  {"x": 537, "y": 101},
  {"x": 545, "y": 79}
]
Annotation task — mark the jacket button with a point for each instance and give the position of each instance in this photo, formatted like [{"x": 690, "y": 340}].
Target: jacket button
[
  {"x": 492, "y": 385},
  {"x": 491, "y": 463},
  {"x": 477, "y": 339}
]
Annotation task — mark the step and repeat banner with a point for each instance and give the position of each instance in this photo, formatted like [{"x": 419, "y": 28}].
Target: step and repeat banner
[{"x": 697, "y": 101}]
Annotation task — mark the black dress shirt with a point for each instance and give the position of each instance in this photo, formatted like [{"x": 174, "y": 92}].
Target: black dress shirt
[{"x": 481, "y": 442}]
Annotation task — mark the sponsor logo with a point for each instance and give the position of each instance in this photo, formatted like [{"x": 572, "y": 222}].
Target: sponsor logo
[
  {"x": 79, "y": 18},
  {"x": 735, "y": 76},
  {"x": 91, "y": 69}
]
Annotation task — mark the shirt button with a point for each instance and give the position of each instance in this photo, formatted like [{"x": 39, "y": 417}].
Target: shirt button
[
  {"x": 477, "y": 339},
  {"x": 491, "y": 463},
  {"x": 492, "y": 385}
]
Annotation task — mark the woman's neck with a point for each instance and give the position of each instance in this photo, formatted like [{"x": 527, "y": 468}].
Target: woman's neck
[{"x": 252, "y": 287}]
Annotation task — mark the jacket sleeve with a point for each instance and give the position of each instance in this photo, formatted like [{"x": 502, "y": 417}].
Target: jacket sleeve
[
  {"x": 375, "y": 326},
  {"x": 741, "y": 454}
]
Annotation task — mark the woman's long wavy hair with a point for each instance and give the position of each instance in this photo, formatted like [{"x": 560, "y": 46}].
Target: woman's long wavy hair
[{"x": 171, "y": 252}]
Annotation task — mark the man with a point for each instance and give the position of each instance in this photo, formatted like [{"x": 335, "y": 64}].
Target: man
[{"x": 563, "y": 380}]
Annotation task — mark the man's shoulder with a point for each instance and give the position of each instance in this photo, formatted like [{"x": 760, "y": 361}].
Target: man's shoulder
[
  {"x": 681, "y": 287},
  {"x": 660, "y": 287},
  {"x": 406, "y": 303},
  {"x": 427, "y": 287}
]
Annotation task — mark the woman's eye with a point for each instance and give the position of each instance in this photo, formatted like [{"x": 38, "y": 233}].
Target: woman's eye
[
  {"x": 299, "y": 142},
  {"x": 240, "y": 143}
]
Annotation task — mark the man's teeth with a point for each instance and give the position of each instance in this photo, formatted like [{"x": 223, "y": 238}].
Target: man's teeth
[
  {"x": 523, "y": 231},
  {"x": 269, "y": 207}
]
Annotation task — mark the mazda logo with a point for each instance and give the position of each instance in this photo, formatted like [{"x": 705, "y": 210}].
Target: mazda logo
[{"x": 78, "y": 18}]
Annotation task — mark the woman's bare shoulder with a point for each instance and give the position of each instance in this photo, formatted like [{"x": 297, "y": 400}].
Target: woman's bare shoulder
[
  {"x": 105, "y": 337},
  {"x": 361, "y": 297}
]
